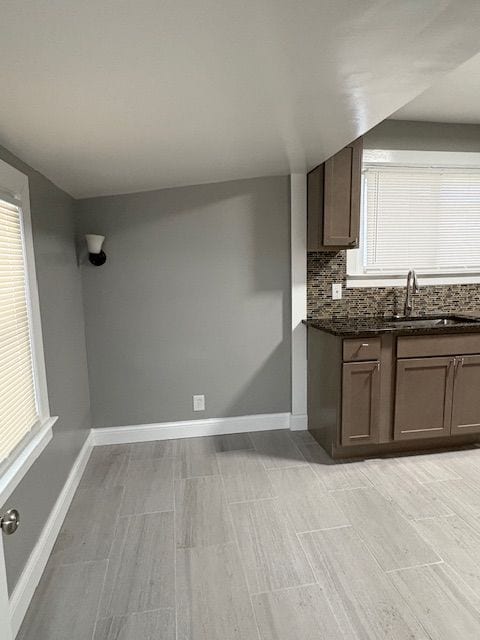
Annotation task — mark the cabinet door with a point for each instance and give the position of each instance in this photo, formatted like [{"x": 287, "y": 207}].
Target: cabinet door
[
  {"x": 342, "y": 185},
  {"x": 466, "y": 395},
  {"x": 315, "y": 184},
  {"x": 360, "y": 403},
  {"x": 423, "y": 399}
]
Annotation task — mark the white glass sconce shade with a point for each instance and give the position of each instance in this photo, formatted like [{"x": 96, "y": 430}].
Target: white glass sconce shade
[
  {"x": 95, "y": 254},
  {"x": 94, "y": 242}
]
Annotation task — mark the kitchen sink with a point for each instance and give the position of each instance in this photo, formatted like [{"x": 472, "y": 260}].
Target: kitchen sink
[{"x": 436, "y": 321}]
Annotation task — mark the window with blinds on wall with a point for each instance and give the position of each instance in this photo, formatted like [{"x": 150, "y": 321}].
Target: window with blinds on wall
[
  {"x": 18, "y": 403},
  {"x": 427, "y": 218}
]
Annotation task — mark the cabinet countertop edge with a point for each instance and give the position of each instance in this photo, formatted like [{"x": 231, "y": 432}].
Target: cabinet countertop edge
[{"x": 356, "y": 327}]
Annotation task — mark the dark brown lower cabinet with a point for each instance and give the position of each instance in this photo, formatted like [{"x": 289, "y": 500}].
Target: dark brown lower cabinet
[
  {"x": 423, "y": 399},
  {"x": 385, "y": 394},
  {"x": 360, "y": 403},
  {"x": 466, "y": 395}
]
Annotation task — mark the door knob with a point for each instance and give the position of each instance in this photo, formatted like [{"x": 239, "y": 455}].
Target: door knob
[{"x": 10, "y": 521}]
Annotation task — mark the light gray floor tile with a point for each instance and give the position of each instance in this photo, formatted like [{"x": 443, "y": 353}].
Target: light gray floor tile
[
  {"x": 304, "y": 499},
  {"x": 457, "y": 543},
  {"x": 461, "y": 497},
  {"x": 196, "y": 466},
  {"x": 244, "y": 476},
  {"x": 152, "y": 625},
  {"x": 302, "y": 437},
  {"x": 196, "y": 457},
  {"x": 336, "y": 476},
  {"x": 89, "y": 527},
  {"x": 201, "y": 513},
  {"x": 270, "y": 550},
  {"x": 303, "y": 440},
  {"x": 148, "y": 486},
  {"x": 139, "y": 593},
  {"x": 107, "y": 466},
  {"x": 196, "y": 446},
  {"x": 425, "y": 469},
  {"x": 358, "y": 590},
  {"x": 413, "y": 500},
  {"x": 467, "y": 466},
  {"x": 302, "y": 612},
  {"x": 439, "y": 601},
  {"x": 65, "y": 603},
  {"x": 389, "y": 536},
  {"x": 153, "y": 450},
  {"x": 233, "y": 442},
  {"x": 277, "y": 449},
  {"x": 212, "y": 597},
  {"x": 141, "y": 572}
]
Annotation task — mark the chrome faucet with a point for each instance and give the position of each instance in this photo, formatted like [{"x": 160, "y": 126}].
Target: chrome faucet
[{"x": 412, "y": 287}]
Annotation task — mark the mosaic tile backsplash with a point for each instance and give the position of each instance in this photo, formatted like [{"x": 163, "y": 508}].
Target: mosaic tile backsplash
[{"x": 326, "y": 267}]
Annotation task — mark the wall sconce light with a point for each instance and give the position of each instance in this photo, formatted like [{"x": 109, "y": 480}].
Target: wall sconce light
[{"x": 94, "y": 245}]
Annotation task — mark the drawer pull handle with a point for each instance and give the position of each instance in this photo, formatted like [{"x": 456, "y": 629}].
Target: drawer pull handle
[
  {"x": 458, "y": 363},
  {"x": 364, "y": 344}
]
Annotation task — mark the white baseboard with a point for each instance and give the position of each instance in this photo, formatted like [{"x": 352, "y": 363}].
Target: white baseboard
[
  {"x": 32, "y": 572},
  {"x": 298, "y": 422},
  {"x": 193, "y": 428}
]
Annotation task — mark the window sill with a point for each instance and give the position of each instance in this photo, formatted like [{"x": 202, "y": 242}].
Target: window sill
[
  {"x": 362, "y": 281},
  {"x": 16, "y": 469}
]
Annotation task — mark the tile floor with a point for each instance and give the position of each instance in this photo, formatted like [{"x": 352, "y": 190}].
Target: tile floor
[{"x": 261, "y": 537}]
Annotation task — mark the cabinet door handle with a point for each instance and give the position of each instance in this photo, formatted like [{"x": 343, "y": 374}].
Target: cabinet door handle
[
  {"x": 458, "y": 363},
  {"x": 377, "y": 366}
]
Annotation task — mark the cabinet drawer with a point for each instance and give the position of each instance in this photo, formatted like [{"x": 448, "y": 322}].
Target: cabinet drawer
[
  {"x": 361, "y": 349},
  {"x": 438, "y": 345}
]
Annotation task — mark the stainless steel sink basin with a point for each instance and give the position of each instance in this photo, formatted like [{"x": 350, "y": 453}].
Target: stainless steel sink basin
[{"x": 437, "y": 321}]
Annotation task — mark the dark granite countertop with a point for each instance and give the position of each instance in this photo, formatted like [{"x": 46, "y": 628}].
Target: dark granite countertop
[{"x": 417, "y": 325}]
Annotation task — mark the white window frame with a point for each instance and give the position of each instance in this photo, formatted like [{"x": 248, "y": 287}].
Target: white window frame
[
  {"x": 356, "y": 277},
  {"x": 14, "y": 184}
]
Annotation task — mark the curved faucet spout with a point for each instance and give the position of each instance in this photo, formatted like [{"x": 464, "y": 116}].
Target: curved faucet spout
[{"x": 412, "y": 287}]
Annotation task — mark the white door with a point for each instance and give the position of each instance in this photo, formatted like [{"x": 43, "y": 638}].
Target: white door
[{"x": 5, "y": 624}]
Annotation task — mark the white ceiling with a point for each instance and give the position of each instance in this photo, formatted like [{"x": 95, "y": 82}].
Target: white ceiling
[
  {"x": 453, "y": 98},
  {"x": 111, "y": 96}
]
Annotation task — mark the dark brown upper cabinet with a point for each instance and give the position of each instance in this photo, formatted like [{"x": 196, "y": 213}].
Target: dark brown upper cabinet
[{"x": 333, "y": 200}]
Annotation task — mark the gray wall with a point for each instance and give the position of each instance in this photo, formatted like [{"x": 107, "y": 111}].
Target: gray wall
[
  {"x": 61, "y": 310},
  {"x": 423, "y": 136},
  {"x": 194, "y": 298}
]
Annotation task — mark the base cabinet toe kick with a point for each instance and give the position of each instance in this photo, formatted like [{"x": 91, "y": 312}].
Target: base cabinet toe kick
[{"x": 393, "y": 393}]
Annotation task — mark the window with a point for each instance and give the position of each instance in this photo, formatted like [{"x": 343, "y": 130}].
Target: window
[
  {"x": 419, "y": 210},
  {"x": 25, "y": 423},
  {"x": 18, "y": 398}
]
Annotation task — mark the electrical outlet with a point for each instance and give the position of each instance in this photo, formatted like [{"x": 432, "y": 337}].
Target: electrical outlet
[
  {"x": 337, "y": 291},
  {"x": 199, "y": 403}
]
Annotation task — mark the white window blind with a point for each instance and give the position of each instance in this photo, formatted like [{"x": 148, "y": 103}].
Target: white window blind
[
  {"x": 18, "y": 405},
  {"x": 426, "y": 218}
]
